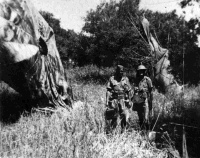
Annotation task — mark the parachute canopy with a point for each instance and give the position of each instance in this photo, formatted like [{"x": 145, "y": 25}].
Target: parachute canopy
[
  {"x": 30, "y": 62},
  {"x": 157, "y": 51},
  {"x": 159, "y": 57}
]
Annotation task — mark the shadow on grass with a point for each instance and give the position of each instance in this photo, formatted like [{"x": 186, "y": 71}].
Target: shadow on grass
[
  {"x": 172, "y": 124},
  {"x": 12, "y": 105}
]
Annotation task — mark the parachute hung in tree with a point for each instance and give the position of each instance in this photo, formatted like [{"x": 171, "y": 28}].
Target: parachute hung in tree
[
  {"x": 29, "y": 60},
  {"x": 159, "y": 57}
]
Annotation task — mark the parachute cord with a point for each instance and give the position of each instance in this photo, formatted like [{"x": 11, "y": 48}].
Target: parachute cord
[
  {"x": 158, "y": 116},
  {"x": 183, "y": 119},
  {"x": 131, "y": 21},
  {"x": 178, "y": 124},
  {"x": 32, "y": 65},
  {"x": 183, "y": 61}
]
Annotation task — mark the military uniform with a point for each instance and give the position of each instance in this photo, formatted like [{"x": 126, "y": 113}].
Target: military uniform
[
  {"x": 118, "y": 87},
  {"x": 143, "y": 100},
  {"x": 118, "y": 97}
]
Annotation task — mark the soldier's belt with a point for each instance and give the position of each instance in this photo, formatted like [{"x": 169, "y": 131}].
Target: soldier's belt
[{"x": 119, "y": 95}]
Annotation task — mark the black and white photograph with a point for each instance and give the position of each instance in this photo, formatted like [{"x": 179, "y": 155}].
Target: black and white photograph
[{"x": 99, "y": 78}]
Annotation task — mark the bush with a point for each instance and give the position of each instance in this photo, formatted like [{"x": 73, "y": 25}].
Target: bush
[
  {"x": 81, "y": 132},
  {"x": 89, "y": 74},
  {"x": 171, "y": 112}
]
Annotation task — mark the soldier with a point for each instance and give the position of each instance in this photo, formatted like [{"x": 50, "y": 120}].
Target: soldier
[
  {"x": 143, "y": 97},
  {"x": 118, "y": 97}
]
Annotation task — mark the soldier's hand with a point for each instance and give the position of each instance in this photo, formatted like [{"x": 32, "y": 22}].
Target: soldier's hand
[
  {"x": 126, "y": 88},
  {"x": 142, "y": 90},
  {"x": 130, "y": 104}
]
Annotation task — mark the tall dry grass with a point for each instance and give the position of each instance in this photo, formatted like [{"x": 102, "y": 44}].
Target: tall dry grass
[
  {"x": 76, "y": 133},
  {"x": 81, "y": 131}
]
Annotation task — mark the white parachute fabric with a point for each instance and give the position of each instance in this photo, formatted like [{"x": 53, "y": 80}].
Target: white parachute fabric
[
  {"x": 157, "y": 51},
  {"x": 18, "y": 52},
  {"x": 30, "y": 62},
  {"x": 160, "y": 58}
]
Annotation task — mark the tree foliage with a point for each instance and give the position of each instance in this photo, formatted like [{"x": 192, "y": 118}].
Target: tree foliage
[
  {"x": 115, "y": 40},
  {"x": 179, "y": 36},
  {"x": 185, "y": 3},
  {"x": 109, "y": 38}
]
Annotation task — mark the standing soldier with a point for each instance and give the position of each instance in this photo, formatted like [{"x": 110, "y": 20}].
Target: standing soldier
[
  {"x": 143, "y": 97},
  {"x": 118, "y": 96}
]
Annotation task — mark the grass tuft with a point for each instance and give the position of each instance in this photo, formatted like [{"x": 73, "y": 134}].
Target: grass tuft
[{"x": 81, "y": 131}]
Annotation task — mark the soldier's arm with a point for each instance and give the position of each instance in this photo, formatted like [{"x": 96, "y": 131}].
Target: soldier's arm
[
  {"x": 109, "y": 91},
  {"x": 108, "y": 95},
  {"x": 150, "y": 87},
  {"x": 149, "y": 83},
  {"x": 129, "y": 90},
  {"x": 109, "y": 85},
  {"x": 128, "y": 85}
]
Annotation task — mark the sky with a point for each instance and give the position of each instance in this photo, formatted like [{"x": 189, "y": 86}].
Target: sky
[{"x": 71, "y": 12}]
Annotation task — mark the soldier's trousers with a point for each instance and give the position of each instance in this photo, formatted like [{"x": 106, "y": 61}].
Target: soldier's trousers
[
  {"x": 120, "y": 111},
  {"x": 143, "y": 114}
]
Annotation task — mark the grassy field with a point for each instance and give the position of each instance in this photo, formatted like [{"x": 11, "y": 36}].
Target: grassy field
[{"x": 81, "y": 131}]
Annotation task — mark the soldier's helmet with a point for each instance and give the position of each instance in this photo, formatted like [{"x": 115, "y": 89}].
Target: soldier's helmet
[
  {"x": 141, "y": 67},
  {"x": 120, "y": 68}
]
